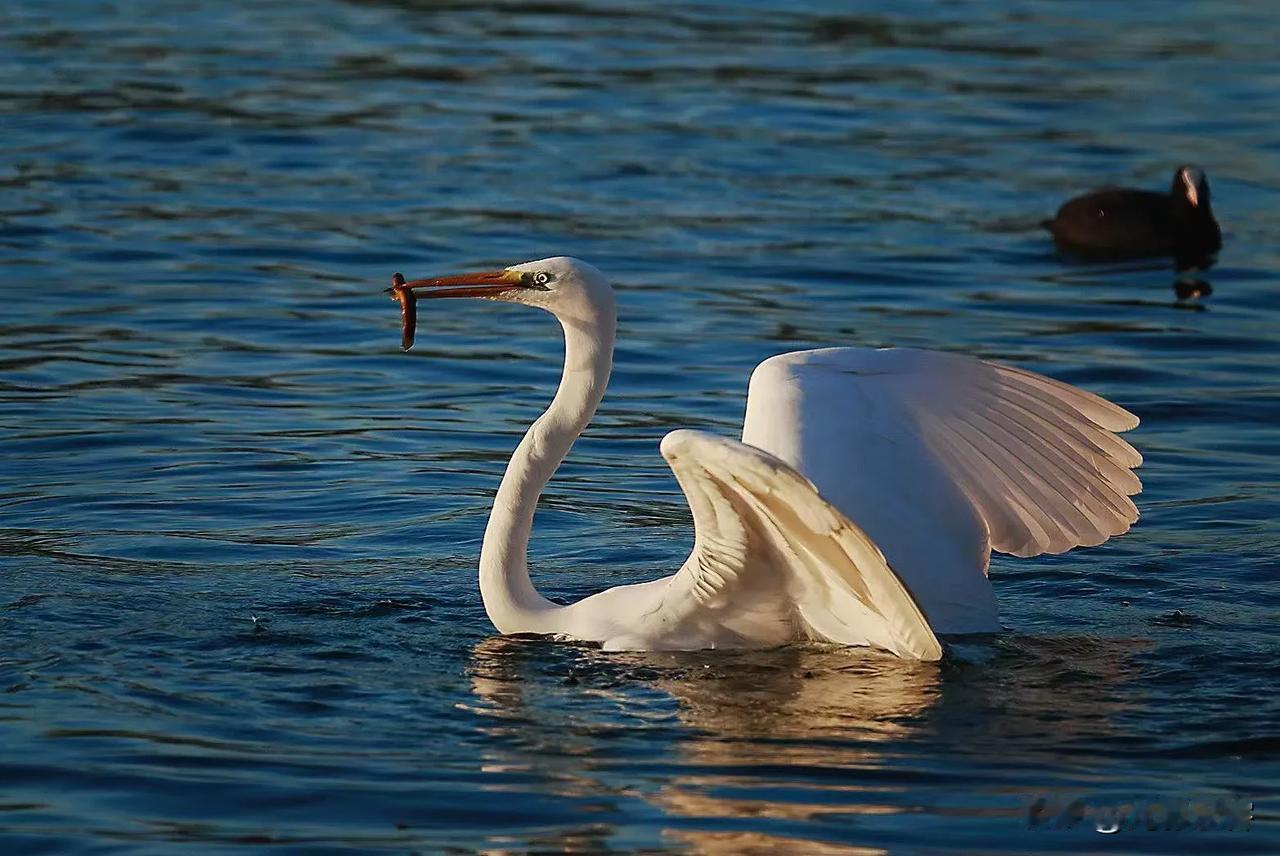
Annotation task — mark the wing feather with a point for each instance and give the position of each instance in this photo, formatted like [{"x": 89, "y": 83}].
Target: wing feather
[
  {"x": 1073, "y": 441},
  {"x": 942, "y": 457},
  {"x": 761, "y": 530},
  {"x": 990, "y": 489},
  {"x": 1080, "y": 511},
  {"x": 1066, "y": 525},
  {"x": 1095, "y": 408},
  {"x": 1107, "y": 444},
  {"x": 1076, "y": 498}
]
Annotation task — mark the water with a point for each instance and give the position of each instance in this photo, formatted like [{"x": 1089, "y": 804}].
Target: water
[{"x": 238, "y": 602}]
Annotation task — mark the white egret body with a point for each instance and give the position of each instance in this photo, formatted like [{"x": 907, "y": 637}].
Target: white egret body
[{"x": 861, "y": 506}]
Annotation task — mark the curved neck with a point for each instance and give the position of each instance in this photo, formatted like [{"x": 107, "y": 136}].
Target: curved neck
[{"x": 514, "y": 606}]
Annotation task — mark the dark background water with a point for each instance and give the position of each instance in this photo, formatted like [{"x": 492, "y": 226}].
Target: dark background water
[{"x": 239, "y": 531}]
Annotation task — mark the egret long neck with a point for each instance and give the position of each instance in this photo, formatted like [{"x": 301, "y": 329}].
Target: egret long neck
[{"x": 514, "y": 606}]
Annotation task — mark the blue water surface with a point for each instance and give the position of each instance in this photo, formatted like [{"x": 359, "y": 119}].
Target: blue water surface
[{"x": 239, "y": 528}]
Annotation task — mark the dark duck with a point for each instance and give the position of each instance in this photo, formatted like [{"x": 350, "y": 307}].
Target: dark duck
[{"x": 1122, "y": 223}]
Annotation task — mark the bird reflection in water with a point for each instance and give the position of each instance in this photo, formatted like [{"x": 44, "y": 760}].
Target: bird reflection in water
[
  {"x": 736, "y": 718},
  {"x": 729, "y": 744},
  {"x": 1191, "y": 289}
]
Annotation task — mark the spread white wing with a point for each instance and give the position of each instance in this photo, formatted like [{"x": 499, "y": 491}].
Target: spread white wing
[
  {"x": 771, "y": 557},
  {"x": 941, "y": 458}
]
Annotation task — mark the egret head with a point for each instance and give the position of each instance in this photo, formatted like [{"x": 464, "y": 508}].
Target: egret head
[{"x": 572, "y": 290}]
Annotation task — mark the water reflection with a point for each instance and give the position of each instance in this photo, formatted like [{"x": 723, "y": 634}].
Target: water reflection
[
  {"x": 797, "y": 735},
  {"x": 738, "y": 719},
  {"x": 1191, "y": 289},
  {"x": 762, "y": 843}
]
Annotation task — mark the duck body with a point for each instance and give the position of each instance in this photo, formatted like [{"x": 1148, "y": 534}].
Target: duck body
[{"x": 1117, "y": 223}]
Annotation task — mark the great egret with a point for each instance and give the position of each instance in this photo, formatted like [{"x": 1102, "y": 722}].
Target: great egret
[{"x": 939, "y": 458}]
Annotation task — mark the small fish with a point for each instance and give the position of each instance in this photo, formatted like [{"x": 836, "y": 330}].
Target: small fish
[{"x": 408, "y": 310}]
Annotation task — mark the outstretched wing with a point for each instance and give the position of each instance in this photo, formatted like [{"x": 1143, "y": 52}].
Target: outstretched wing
[
  {"x": 942, "y": 457},
  {"x": 765, "y": 539}
]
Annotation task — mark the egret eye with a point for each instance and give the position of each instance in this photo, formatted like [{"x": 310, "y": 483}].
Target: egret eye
[{"x": 541, "y": 278}]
